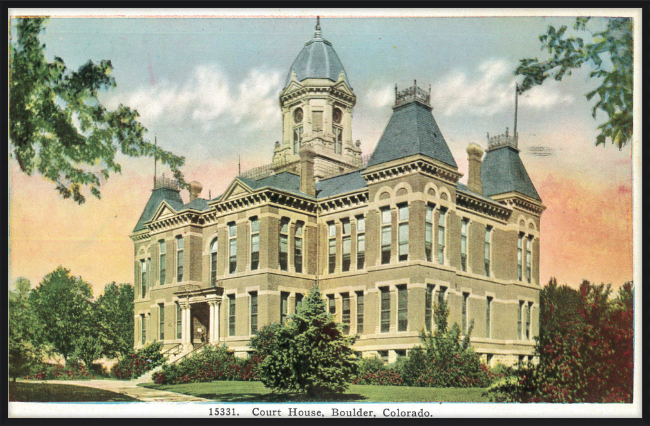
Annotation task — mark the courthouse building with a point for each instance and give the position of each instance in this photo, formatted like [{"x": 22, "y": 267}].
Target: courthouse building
[{"x": 384, "y": 237}]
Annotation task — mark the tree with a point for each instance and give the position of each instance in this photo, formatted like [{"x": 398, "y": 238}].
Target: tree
[
  {"x": 114, "y": 320},
  {"x": 59, "y": 129},
  {"x": 310, "y": 353},
  {"x": 611, "y": 53},
  {"x": 24, "y": 348},
  {"x": 586, "y": 357},
  {"x": 63, "y": 304}
]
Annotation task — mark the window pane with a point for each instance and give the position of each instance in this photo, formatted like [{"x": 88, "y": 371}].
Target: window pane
[
  {"x": 385, "y": 216},
  {"x": 161, "y": 321},
  {"x": 402, "y": 308},
  {"x": 345, "y": 312},
  {"x": 361, "y": 224},
  {"x": 179, "y": 322},
  {"x": 464, "y": 312},
  {"x": 360, "y": 312},
  {"x": 179, "y": 243},
  {"x": 403, "y": 212},
  {"x": 253, "y": 312},
  {"x": 255, "y": 225},
  {"x": 231, "y": 315},
  {"x": 385, "y": 310},
  {"x": 428, "y": 311},
  {"x": 284, "y": 307},
  {"x": 488, "y": 314},
  {"x": 346, "y": 226},
  {"x": 332, "y": 230},
  {"x": 232, "y": 230}
]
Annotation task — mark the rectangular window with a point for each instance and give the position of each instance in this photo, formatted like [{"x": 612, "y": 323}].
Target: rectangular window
[
  {"x": 488, "y": 241},
  {"x": 297, "y": 248},
  {"x": 143, "y": 277},
  {"x": 338, "y": 135},
  {"x": 402, "y": 308},
  {"x": 162, "y": 266},
  {"x": 255, "y": 243},
  {"x": 149, "y": 274},
  {"x": 441, "y": 236},
  {"x": 385, "y": 236},
  {"x": 529, "y": 243},
  {"x": 428, "y": 233},
  {"x": 253, "y": 295},
  {"x": 528, "y": 309},
  {"x": 297, "y": 137},
  {"x": 403, "y": 232},
  {"x": 161, "y": 320},
  {"x": 331, "y": 301},
  {"x": 463, "y": 245},
  {"x": 519, "y": 316},
  {"x": 332, "y": 247},
  {"x": 520, "y": 242},
  {"x": 345, "y": 312},
  {"x": 179, "y": 322},
  {"x": 231, "y": 315},
  {"x": 179, "y": 259},
  {"x": 284, "y": 307},
  {"x": 464, "y": 312},
  {"x": 143, "y": 330},
  {"x": 360, "y": 312},
  {"x": 488, "y": 316},
  {"x": 284, "y": 244},
  {"x": 213, "y": 263},
  {"x": 441, "y": 294},
  {"x": 428, "y": 308},
  {"x": 346, "y": 245},
  {"x": 298, "y": 303},
  {"x": 385, "y": 309},
  {"x": 232, "y": 248},
  {"x": 361, "y": 242}
]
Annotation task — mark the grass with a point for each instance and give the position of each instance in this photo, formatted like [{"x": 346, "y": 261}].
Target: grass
[
  {"x": 49, "y": 392},
  {"x": 256, "y": 392}
]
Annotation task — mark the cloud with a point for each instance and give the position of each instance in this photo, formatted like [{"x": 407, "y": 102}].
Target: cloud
[
  {"x": 209, "y": 98},
  {"x": 378, "y": 98},
  {"x": 490, "y": 91}
]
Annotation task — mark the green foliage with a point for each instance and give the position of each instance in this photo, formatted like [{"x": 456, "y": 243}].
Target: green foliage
[
  {"x": 57, "y": 126},
  {"x": 24, "y": 342},
  {"x": 62, "y": 304},
  {"x": 446, "y": 359},
  {"x": 611, "y": 54},
  {"x": 310, "y": 353},
  {"x": 211, "y": 363},
  {"x": 135, "y": 364},
  {"x": 262, "y": 342},
  {"x": 73, "y": 370},
  {"x": 114, "y": 320},
  {"x": 587, "y": 358}
]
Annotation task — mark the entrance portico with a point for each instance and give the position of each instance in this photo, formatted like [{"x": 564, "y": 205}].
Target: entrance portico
[{"x": 195, "y": 303}]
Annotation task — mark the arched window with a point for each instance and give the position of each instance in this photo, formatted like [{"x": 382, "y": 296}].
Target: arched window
[{"x": 213, "y": 263}]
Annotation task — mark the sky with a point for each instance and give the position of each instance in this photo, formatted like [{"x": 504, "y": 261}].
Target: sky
[{"x": 208, "y": 89}]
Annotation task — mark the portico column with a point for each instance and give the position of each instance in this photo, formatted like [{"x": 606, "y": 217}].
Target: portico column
[
  {"x": 217, "y": 321},
  {"x": 211, "y": 339},
  {"x": 185, "y": 335}
]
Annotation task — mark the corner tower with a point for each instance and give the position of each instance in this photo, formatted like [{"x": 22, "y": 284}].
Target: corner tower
[{"x": 317, "y": 102}]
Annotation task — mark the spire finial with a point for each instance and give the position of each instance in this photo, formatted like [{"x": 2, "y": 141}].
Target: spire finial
[{"x": 317, "y": 33}]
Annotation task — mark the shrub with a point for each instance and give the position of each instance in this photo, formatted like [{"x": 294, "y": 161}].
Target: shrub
[
  {"x": 135, "y": 364},
  {"x": 212, "y": 363},
  {"x": 445, "y": 360},
  {"x": 310, "y": 353},
  {"x": 73, "y": 370},
  {"x": 382, "y": 378}
]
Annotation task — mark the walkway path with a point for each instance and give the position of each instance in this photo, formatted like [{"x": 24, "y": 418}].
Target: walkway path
[{"x": 130, "y": 388}]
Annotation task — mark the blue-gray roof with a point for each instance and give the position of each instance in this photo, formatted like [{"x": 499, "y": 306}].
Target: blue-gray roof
[
  {"x": 412, "y": 130},
  {"x": 340, "y": 184},
  {"x": 502, "y": 171},
  {"x": 199, "y": 204},
  {"x": 173, "y": 198},
  {"x": 317, "y": 60},
  {"x": 285, "y": 181},
  {"x": 463, "y": 188}
]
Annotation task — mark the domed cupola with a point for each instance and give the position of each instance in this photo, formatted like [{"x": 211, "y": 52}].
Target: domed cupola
[
  {"x": 317, "y": 103},
  {"x": 317, "y": 60}
]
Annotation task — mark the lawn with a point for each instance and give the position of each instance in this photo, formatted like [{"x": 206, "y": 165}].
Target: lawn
[
  {"x": 256, "y": 392},
  {"x": 48, "y": 392}
]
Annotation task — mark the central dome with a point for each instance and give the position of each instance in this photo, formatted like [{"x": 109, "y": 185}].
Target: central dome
[{"x": 317, "y": 60}]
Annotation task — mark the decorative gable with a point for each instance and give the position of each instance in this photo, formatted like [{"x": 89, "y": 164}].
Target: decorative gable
[
  {"x": 236, "y": 189},
  {"x": 163, "y": 211}
]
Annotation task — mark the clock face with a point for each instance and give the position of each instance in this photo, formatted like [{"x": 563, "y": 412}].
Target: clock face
[
  {"x": 297, "y": 115},
  {"x": 337, "y": 116}
]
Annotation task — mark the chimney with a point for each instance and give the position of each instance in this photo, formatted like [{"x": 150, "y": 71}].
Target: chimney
[
  {"x": 474, "y": 155},
  {"x": 307, "y": 155},
  {"x": 195, "y": 190}
]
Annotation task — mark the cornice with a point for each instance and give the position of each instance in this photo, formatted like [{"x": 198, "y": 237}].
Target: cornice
[
  {"x": 522, "y": 202},
  {"x": 489, "y": 208},
  {"x": 381, "y": 172}
]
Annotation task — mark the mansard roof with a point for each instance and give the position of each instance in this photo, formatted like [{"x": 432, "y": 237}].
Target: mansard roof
[
  {"x": 412, "y": 130},
  {"x": 284, "y": 181},
  {"x": 340, "y": 184},
  {"x": 172, "y": 197},
  {"x": 502, "y": 171}
]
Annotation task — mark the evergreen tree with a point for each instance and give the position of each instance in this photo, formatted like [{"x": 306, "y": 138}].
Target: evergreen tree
[{"x": 310, "y": 353}]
